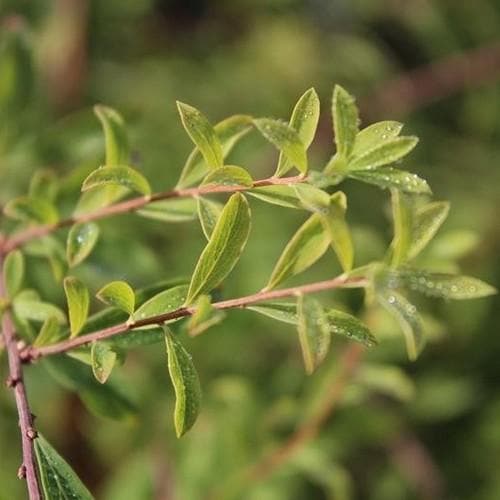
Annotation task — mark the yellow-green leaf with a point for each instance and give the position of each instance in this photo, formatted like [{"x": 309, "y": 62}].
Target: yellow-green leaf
[
  {"x": 115, "y": 135},
  {"x": 43, "y": 184},
  {"x": 81, "y": 241},
  {"x": 229, "y": 175},
  {"x": 345, "y": 120},
  {"x": 174, "y": 210},
  {"x": 283, "y": 196},
  {"x": 49, "y": 333},
  {"x": 32, "y": 308},
  {"x": 402, "y": 214},
  {"x": 118, "y": 294},
  {"x": 204, "y": 317},
  {"x": 26, "y": 208},
  {"x": 208, "y": 212},
  {"x": 163, "y": 302},
  {"x": 374, "y": 135},
  {"x": 77, "y": 297},
  {"x": 117, "y": 176},
  {"x": 313, "y": 198},
  {"x": 13, "y": 271},
  {"x": 280, "y": 311},
  {"x": 388, "y": 177},
  {"x": 103, "y": 360}
]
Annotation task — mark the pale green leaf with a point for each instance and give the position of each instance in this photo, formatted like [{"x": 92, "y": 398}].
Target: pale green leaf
[
  {"x": 402, "y": 214},
  {"x": 117, "y": 176},
  {"x": 338, "y": 230},
  {"x": 99, "y": 197},
  {"x": 58, "y": 479},
  {"x": 202, "y": 134},
  {"x": 204, "y": 317},
  {"x": 44, "y": 185},
  {"x": 186, "y": 384},
  {"x": 81, "y": 241},
  {"x": 30, "y": 209},
  {"x": 286, "y": 139},
  {"x": 384, "y": 153},
  {"x": 115, "y": 135},
  {"x": 118, "y": 294},
  {"x": 345, "y": 120},
  {"x": 13, "y": 271},
  {"x": 280, "y": 311},
  {"x": 307, "y": 245},
  {"x": 314, "y": 332},
  {"x": 374, "y": 135},
  {"x": 162, "y": 303},
  {"x": 388, "y": 177},
  {"x": 174, "y": 210},
  {"x": 229, "y": 175},
  {"x": 33, "y": 309},
  {"x": 223, "y": 249},
  {"x": 229, "y": 132},
  {"x": 77, "y": 297},
  {"x": 208, "y": 212},
  {"x": 49, "y": 333},
  {"x": 304, "y": 120},
  {"x": 312, "y": 198},
  {"x": 283, "y": 196},
  {"x": 103, "y": 360}
]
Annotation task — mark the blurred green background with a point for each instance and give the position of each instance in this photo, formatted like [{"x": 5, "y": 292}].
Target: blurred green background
[{"x": 423, "y": 430}]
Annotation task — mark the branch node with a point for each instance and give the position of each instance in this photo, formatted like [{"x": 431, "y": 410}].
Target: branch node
[
  {"x": 21, "y": 472},
  {"x": 11, "y": 382},
  {"x": 31, "y": 433}
]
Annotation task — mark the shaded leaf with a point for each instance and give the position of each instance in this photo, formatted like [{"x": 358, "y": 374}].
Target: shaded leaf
[
  {"x": 280, "y": 311},
  {"x": 30, "y": 209},
  {"x": 174, "y": 210},
  {"x": 223, "y": 249},
  {"x": 347, "y": 325},
  {"x": 163, "y": 302},
  {"x": 49, "y": 333},
  {"x": 103, "y": 361},
  {"x": 312, "y": 198},
  {"x": 35, "y": 310},
  {"x": 345, "y": 120},
  {"x": 13, "y": 270},
  {"x": 402, "y": 214},
  {"x": 229, "y": 175},
  {"x": 117, "y": 176},
  {"x": 208, "y": 212},
  {"x": 115, "y": 135},
  {"x": 375, "y": 134},
  {"x": 283, "y": 196},
  {"x": 81, "y": 241},
  {"x": 186, "y": 384},
  {"x": 388, "y": 177},
  {"x": 77, "y": 297},
  {"x": 118, "y": 294},
  {"x": 204, "y": 317},
  {"x": 44, "y": 185}
]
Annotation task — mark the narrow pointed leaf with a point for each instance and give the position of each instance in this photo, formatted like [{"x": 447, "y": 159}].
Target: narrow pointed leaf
[
  {"x": 204, "y": 317},
  {"x": 118, "y": 294},
  {"x": 314, "y": 332},
  {"x": 117, "y": 176},
  {"x": 58, "y": 479},
  {"x": 229, "y": 132},
  {"x": 286, "y": 139},
  {"x": 186, "y": 384},
  {"x": 202, "y": 134},
  {"x": 339, "y": 234},
  {"x": 208, "y": 212},
  {"x": 307, "y": 245},
  {"x": 375, "y": 134},
  {"x": 280, "y": 311},
  {"x": 408, "y": 318},
  {"x": 304, "y": 120},
  {"x": 175, "y": 210},
  {"x": 103, "y": 360},
  {"x": 402, "y": 214},
  {"x": 283, "y": 196},
  {"x": 223, "y": 249},
  {"x": 229, "y": 175},
  {"x": 30, "y": 209},
  {"x": 313, "y": 198},
  {"x": 82, "y": 239},
  {"x": 49, "y": 333},
  {"x": 388, "y": 177},
  {"x": 345, "y": 120},
  {"x": 346, "y": 325},
  {"x": 115, "y": 135},
  {"x": 13, "y": 271},
  {"x": 384, "y": 153},
  {"x": 77, "y": 297},
  {"x": 163, "y": 302}
]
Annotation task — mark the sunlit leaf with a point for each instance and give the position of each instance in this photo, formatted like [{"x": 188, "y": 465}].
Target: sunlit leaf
[
  {"x": 314, "y": 332},
  {"x": 57, "y": 478},
  {"x": 49, "y": 333},
  {"x": 81, "y": 241},
  {"x": 118, "y": 294},
  {"x": 163, "y": 302},
  {"x": 77, "y": 297},
  {"x": 208, "y": 212},
  {"x": 229, "y": 175},
  {"x": 307, "y": 245},
  {"x": 174, "y": 210},
  {"x": 286, "y": 139},
  {"x": 283, "y": 196},
  {"x": 30, "y": 209},
  {"x": 223, "y": 249},
  {"x": 388, "y": 177},
  {"x": 374, "y": 135},
  {"x": 202, "y": 134},
  {"x": 304, "y": 120},
  {"x": 345, "y": 120},
  {"x": 312, "y": 198},
  {"x": 204, "y": 317},
  {"x": 103, "y": 361},
  {"x": 186, "y": 384},
  {"x": 118, "y": 176},
  {"x": 402, "y": 214},
  {"x": 13, "y": 270},
  {"x": 115, "y": 135}
]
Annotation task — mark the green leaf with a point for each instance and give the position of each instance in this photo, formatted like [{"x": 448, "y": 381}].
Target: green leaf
[
  {"x": 408, "y": 318},
  {"x": 228, "y": 175},
  {"x": 345, "y": 120},
  {"x": 118, "y": 294},
  {"x": 374, "y": 135},
  {"x": 117, "y": 176},
  {"x": 30, "y": 209},
  {"x": 388, "y": 177},
  {"x": 103, "y": 361},
  {"x": 44, "y": 185},
  {"x": 384, "y": 153},
  {"x": 117, "y": 148},
  {"x": 33, "y": 309},
  {"x": 223, "y": 249},
  {"x": 204, "y": 317},
  {"x": 81, "y": 241},
  {"x": 346, "y": 325},
  {"x": 58, "y": 479},
  {"x": 338, "y": 230},
  {"x": 307, "y": 245},
  {"x": 174, "y": 210},
  {"x": 229, "y": 132},
  {"x": 314, "y": 332},
  {"x": 53, "y": 250},
  {"x": 304, "y": 120},
  {"x": 402, "y": 214},
  {"x": 208, "y": 212},
  {"x": 186, "y": 384},
  {"x": 49, "y": 333},
  {"x": 163, "y": 302},
  {"x": 312, "y": 198},
  {"x": 426, "y": 222},
  {"x": 77, "y": 297},
  {"x": 283, "y": 196},
  {"x": 13, "y": 270},
  {"x": 202, "y": 134},
  {"x": 286, "y": 139},
  {"x": 280, "y": 311}
]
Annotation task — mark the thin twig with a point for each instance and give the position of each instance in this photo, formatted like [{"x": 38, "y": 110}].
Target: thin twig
[
  {"x": 133, "y": 204},
  {"x": 28, "y": 468},
  {"x": 31, "y": 353}
]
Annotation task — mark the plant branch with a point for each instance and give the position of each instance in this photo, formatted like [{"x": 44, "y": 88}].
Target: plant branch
[
  {"x": 134, "y": 204},
  {"x": 28, "y": 469},
  {"x": 33, "y": 353}
]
